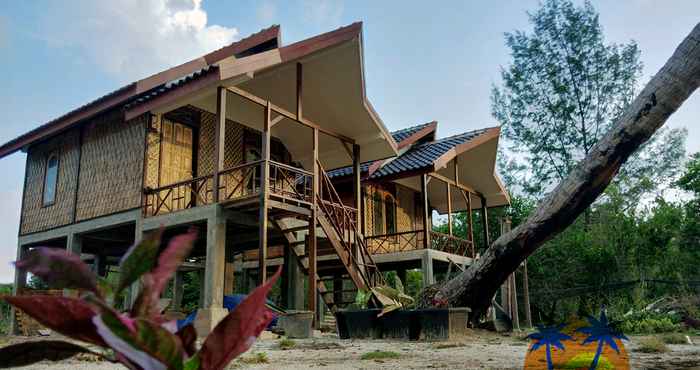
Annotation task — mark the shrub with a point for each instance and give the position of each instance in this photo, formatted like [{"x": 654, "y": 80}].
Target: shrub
[
  {"x": 141, "y": 338},
  {"x": 650, "y": 323},
  {"x": 257, "y": 358},
  {"x": 286, "y": 343},
  {"x": 674, "y": 338},
  {"x": 652, "y": 345}
]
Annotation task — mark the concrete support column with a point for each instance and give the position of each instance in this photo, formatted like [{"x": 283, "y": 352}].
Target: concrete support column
[
  {"x": 292, "y": 281},
  {"x": 135, "y": 288},
  {"x": 74, "y": 244},
  {"x": 427, "y": 268},
  {"x": 19, "y": 285},
  {"x": 178, "y": 291},
  {"x": 212, "y": 310}
]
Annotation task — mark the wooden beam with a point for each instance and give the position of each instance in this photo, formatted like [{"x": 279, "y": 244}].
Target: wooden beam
[
  {"x": 311, "y": 236},
  {"x": 452, "y": 182},
  {"x": 264, "y": 197},
  {"x": 299, "y": 90},
  {"x": 470, "y": 222},
  {"x": 426, "y": 211},
  {"x": 356, "y": 183},
  {"x": 220, "y": 139},
  {"x": 260, "y": 101},
  {"x": 526, "y": 297},
  {"x": 485, "y": 222},
  {"x": 277, "y": 120},
  {"x": 449, "y": 209}
]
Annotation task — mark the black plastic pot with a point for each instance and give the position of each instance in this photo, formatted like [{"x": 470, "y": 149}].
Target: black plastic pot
[
  {"x": 358, "y": 324},
  {"x": 397, "y": 324}
]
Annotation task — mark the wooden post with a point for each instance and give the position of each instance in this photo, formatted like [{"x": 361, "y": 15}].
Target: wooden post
[
  {"x": 426, "y": 211},
  {"x": 311, "y": 241},
  {"x": 220, "y": 141},
  {"x": 299, "y": 90},
  {"x": 470, "y": 223},
  {"x": 338, "y": 289},
  {"x": 526, "y": 297},
  {"x": 356, "y": 183},
  {"x": 264, "y": 196},
  {"x": 449, "y": 208},
  {"x": 178, "y": 290},
  {"x": 514, "y": 301},
  {"x": 485, "y": 222},
  {"x": 229, "y": 273}
]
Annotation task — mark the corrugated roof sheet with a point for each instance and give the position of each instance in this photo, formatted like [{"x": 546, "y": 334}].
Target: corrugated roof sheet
[
  {"x": 424, "y": 155},
  {"x": 405, "y": 133},
  {"x": 171, "y": 85}
]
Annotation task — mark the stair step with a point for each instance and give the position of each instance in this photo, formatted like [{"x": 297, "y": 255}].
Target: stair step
[
  {"x": 298, "y": 242},
  {"x": 295, "y": 229}
]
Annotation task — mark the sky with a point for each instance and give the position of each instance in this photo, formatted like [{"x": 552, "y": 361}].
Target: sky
[{"x": 423, "y": 62}]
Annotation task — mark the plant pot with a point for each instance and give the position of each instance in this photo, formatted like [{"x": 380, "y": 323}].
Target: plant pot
[
  {"x": 442, "y": 323},
  {"x": 358, "y": 324},
  {"x": 397, "y": 324},
  {"x": 297, "y": 324}
]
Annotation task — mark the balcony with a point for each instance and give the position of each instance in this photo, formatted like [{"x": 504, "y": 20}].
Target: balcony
[{"x": 414, "y": 240}]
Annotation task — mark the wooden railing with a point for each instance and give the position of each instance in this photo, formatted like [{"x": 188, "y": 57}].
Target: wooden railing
[
  {"x": 344, "y": 221},
  {"x": 177, "y": 196},
  {"x": 240, "y": 181},
  {"x": 395, "y": 242},
  {"x": 291, "y": 183},
  {"x": 451, "y": 244}
]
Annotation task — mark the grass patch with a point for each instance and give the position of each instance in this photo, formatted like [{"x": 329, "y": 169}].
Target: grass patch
[
  {"x": 380, "y": 355},
  {"x": 286, "y": 343},
  {"x": 256, "y": 358},
  {"x": 674, "y": 338},
  {"x": 652, "y": 345}
]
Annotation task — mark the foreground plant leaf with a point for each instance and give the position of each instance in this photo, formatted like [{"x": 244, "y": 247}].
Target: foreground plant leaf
[
  {"x": 237, "y": 332},
  {"x": 59, "y": 268},
  {"x": 28, "y": 353},
  {"x": 155, "y": 281},
  {"x": 69, "y": 316},
  {"x": 138, "y": 260},
  {"x": 142, "y": 342},
  {"x": 188, "y": 337}
]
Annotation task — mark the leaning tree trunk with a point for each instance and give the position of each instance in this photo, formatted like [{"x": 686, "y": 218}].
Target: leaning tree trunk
[{"x": 662, "y": 96}]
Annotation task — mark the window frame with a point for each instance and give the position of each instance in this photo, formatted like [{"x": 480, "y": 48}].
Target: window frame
[{"x": 51, "y": 155}]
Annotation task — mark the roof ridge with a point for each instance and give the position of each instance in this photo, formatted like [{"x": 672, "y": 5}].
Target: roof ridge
[
  {"x": 479, "y": 130},
  {"x": 409, "y": 128}
]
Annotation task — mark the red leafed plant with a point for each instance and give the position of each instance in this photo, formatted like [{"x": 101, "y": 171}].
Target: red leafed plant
[{"x": 142, "y": 338}]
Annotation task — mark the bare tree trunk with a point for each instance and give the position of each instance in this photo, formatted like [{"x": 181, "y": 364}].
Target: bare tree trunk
[{"x": 662, "y": 96}]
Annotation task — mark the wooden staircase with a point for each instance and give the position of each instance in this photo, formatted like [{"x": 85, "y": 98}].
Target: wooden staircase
[{"x": 339, "y": 224}]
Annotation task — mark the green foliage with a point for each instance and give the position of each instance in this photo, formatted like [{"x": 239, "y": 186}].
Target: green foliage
[
  {"x": 286, "y": 343},
  {"x": 256, "y": 358},
  {"x": 674, "y": 338},
  {"x": 690, "y": 181},
  {"x": 5, "y": 310},
  {"x": 142, "y": 338},
  {"x": 380, "y": 355},
  {"x": 649, "y": 323},
  {"x": 652, "y": 345}
]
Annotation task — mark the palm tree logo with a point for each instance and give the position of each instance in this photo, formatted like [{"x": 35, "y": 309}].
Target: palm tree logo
[
  {"x": 600, "y": 330},
  {"x": 549, "y": 336}
]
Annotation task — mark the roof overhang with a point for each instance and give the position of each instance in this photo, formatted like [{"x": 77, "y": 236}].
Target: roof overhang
[
  {"x": 269, "y": 37},
  {"x": 333, "y": 96},
  {"x": 476, "y": 163}
]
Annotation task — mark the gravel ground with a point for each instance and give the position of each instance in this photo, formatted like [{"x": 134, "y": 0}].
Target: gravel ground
[{"x": 481, "y": 350}]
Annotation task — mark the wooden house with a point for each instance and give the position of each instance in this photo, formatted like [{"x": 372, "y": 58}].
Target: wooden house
[{"x": 274, "y": 153}]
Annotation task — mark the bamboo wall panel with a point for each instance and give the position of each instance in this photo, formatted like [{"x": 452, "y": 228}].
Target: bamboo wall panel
[
  {"x": 405, "y": 217},
  {"x": 233, "y": 155},
  {"x": 111, "y": 171},
  {"x": 35, "y": 217},
  {"x": 153, "y": 154}
]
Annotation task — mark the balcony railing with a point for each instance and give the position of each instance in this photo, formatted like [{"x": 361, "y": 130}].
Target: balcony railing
[
  {"x": 237, "y": 183},
  {"x": 178, "y": 196},
  {"x": 413, "y": 240}
]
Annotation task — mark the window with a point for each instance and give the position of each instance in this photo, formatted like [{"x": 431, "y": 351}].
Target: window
[{"x": 50, "y": 180}]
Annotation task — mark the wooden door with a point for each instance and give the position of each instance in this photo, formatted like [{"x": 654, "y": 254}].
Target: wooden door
[{"x": 176, "y": 161}]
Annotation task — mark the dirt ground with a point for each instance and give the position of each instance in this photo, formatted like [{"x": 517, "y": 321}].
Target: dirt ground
[{"x": 481, "y": 350}]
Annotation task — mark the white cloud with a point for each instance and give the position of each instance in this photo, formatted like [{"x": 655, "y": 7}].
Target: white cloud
[
  {"x": 323, "y": 12},
  {"x": 267, "y": 11},
  {"x": 132, "y": 39}
]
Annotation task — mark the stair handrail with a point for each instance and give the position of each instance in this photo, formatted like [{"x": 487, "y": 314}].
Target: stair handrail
[{"x": 374, "y": 277}]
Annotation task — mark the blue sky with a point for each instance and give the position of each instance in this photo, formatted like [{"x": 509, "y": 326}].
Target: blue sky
[{"x": 424, "y": 60}]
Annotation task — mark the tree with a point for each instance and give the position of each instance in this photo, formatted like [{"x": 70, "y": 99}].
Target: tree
[
  {"x": 561, "y": 93},
  {"x": 662, "y": 96}
]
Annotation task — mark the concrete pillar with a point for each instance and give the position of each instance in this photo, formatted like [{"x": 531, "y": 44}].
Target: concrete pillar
[
  {"x": 212, "y": 310},
  {"x": 292, "y": 281},
  {"x": 427, "y": 268},
  {"x": 178, "y": 291},
  {"x": 200, "y": 279},
  {"x": 74, "y": 244},
  {"x": 19, "y": 284},
  {"x": 135, "y": 288}
]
